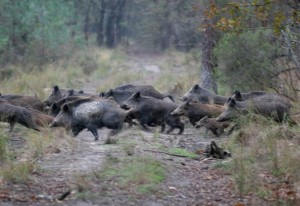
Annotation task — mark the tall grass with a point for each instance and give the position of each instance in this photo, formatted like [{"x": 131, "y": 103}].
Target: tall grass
[{"x": 265, "y": 150}]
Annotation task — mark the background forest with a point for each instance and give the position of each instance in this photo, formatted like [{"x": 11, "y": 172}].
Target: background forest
[{"x": 239, "y": 41}]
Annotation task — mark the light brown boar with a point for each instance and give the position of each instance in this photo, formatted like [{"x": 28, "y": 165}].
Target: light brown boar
[
  {"x": 24, "y": 101},
  {"x": 195, "y": 111}
]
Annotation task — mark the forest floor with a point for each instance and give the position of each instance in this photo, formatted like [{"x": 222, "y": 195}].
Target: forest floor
[{"x": 70, "y": 171}]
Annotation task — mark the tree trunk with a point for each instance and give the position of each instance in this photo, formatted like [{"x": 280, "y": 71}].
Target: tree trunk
[
  {"x": 208, "y": 44},
  {"x": 100, "y": 34}
]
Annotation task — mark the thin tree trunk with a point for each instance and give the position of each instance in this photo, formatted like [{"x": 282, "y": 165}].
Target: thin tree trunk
[{"x": 208, "y": 44}]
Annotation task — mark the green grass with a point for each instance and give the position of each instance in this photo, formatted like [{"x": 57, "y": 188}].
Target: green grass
[
  {"x": 18, "y": 172},
  {"x": 3, "y": 147},
  {"x": 183, "y": 152},
  {"x": 138, "y": 174}
]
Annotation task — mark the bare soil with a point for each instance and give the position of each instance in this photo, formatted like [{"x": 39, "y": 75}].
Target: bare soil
[{"x": 188, "y": 182}]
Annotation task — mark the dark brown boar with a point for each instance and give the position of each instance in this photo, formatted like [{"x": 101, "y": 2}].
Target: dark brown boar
[
  {"x": 213, "y": 125},
  {"x": 88, "y": 113},
  {"x": 276, "y": 110},
  {"x": 194, "y": 111},
  {"x": 16, "y": 114},
  {"x": 200, "y": 94},
  {"x": 238, "y": 96},
  {"x": 150, "y": 111},
  {"x": 24, "y": 101},
  {"x": 123, "y": 92}
]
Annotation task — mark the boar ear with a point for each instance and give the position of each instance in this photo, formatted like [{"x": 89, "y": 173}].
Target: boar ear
[
  {"x": 55, "y": 89},
  {"x": 101, "y": 94},
  {"x": 110, "y": 92},
  {"x": 71, "y": 92},
  {"x": 137, "y": 95},
  {"x": 231, "y": 102},
  {"x": 238, "y": 95},
  {"x": 66, "y": 108},
  {"x": 196, "y": 86},
  {"x": 54, "y": 106}
]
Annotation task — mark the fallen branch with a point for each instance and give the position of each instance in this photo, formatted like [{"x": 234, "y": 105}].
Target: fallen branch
[{"x": 175, "y": 155}]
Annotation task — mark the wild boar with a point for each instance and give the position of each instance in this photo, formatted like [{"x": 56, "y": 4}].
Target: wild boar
[
  {"x": 194, "y": 111},
  {"x": 92, "y": 115},
  {"x": 153, "y": 112},
  {"x": 276, "y": 110},
  {"x": 56, "y": 106},
  {"x": 41, "y": 119},
  {"x": 81, "y": 93},
  {"x": 123, "y": 92},
  {"x": 213, "y": 125},
  {"x": 238, "y": 96},
  {"x": 24, "y": 101},
  {"x": 200, "y": 94},
  {"x": 16, "y": 114},
  {"x": 58, "y": 94}
]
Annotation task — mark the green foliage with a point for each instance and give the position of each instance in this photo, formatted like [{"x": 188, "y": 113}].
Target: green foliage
[
  {"x": 35, "y": 29},
  {"x": 245, "y": 60}
]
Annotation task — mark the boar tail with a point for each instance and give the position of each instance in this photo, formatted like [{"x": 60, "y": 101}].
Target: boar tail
[{"x": 169, "y": 96}]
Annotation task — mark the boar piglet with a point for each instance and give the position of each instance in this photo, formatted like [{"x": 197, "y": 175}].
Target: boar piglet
[
  {"x": 217, "y": 128},
  {"x": 153, "y": 112},
  {"x": 194, "y": 111},
  {"x": 276, "y": 110},
  {"x": 92, "y": 115}
]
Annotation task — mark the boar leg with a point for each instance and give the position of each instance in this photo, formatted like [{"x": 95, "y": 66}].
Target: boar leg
[
  {"x": 181, "y": 128},
  {"x": 170, "y": 130},
  {"x": 93, "y": 130},
  {"x": 11, "y": 126},
  {"x": 163, "y": 127}
]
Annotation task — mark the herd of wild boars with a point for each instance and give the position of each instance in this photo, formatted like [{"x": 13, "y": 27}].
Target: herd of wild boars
[{"x": 137, "y": 105}]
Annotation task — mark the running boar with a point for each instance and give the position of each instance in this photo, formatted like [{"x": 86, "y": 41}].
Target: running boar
[
  {"x": 24, "y": 101},
  {"x": 153, "y": 112},
  {"x": 16, "y": 114},
  {"x": 88, "y": 113},
  {"x": 56, "y": 106},
  {"x": 123, "y": 92},
  {"x": 58, "y": 94},
  {"x": 277, "y": 110},
  {"x": 238, "y": 96},
  {"x": 213, "y": 125},
  {"x": 194, "y": 111},
  {"x": 200, "y": 94}
]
